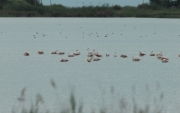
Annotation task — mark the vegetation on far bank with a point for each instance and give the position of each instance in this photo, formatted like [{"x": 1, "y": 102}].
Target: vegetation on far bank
[{"x": 35, "y": 8}]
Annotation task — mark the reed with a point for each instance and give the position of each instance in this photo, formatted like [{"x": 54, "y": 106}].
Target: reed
[{"x": 123, "y": 106}]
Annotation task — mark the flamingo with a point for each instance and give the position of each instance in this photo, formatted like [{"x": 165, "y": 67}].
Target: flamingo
[
  {"x": 152, "y": 54},
  {"x": 158, "y": 54},
  {"x": 70, "y": 55},
  {"x": 26, "y": 54},
  {"x": 76, "y": 53},
  {"x": 97, "y": 59},
  {"x": 54, "y": 52},
  {"x": 64, "y": 60},
  {"x": 115, "y": 55},
  {"x": 90, "y": 55},
  {"x": 107, "y": 54},
  {"x": 89, "y": 59},
  {"x": 95, "y": 53},
  {"x": 123, "y": 56},
  {"x": 40, "y": 52},
  {"x": 136, "y": 59},
  {"x": 89, "y": 52},
  {"x": 141, "y": 54},
  {"x": 61, "y": 53},
  {"x": 98, "y": 55},
  {"x": 165, "y": 60}
]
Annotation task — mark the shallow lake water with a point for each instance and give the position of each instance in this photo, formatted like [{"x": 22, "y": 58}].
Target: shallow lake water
[{"x": 96, "y": 84}]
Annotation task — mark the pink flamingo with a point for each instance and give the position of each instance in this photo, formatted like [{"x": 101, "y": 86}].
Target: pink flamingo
[
  {"x": 89, "y": 59},
  {"x": 123, "y": 56},
  {"x": 107, "y": 54},
  {"x": 98, "y": 55},
  {"x": 165, "y": 60},
  {"x": 70, "y": 55},
  {"x": 54, "y": 52},
  {"x": 97, "y": 59},
  {"x": 159, "y": 54},
  {"x": 141, "y": 54},
  {"x": 64, "y": 60},
  {"x": 40, "y": 52},
  {"x": 115, "y": 55},
  {"x": 61, "y": 53},
  {"x": 136, "y": 59},
  {"x": 26, "y": 54},
  {"x": 76, "y": 53},
  {"x": 152, "y": 54}
]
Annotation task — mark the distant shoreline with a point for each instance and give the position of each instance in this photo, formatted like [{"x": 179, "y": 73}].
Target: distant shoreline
[
  {"x": 120, "y": 14},
  {"x": 104, "y": 11}
]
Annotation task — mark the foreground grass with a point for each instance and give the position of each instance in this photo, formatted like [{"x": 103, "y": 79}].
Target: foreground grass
[{"x": 73, "y": 107}]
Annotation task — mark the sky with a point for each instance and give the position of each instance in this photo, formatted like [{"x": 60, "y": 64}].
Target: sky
[{"x": 76, "y": 3}]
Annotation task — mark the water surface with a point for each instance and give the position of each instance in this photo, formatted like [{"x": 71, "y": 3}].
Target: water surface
[{"x": 92, "y": 82}]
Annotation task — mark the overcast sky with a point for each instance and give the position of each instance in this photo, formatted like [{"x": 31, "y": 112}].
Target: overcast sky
[{"x": 74, "y": 3}]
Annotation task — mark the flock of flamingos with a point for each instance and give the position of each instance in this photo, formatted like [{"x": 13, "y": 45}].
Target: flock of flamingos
[{"x": 95, "y": 56}]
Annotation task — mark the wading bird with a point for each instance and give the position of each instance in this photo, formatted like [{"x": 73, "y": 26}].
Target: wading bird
[
  {"x": 141, "y": 54},
  {"x": 26, "y": 54},
  {"x": 136, "y": 59},
  {"x": 40, "y": 52},
  {"x": 54, "y": 52},
  {"x": 123, "y": 56},
  {"x": 115, "y": 55},
  {"x": 152, "y": 54},
  {"x": 64, "y": 60}
]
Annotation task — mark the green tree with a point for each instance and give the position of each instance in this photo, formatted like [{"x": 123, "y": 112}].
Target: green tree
[
  {"x": 33, "y": 2},
  {"x": 176, "y": 3},
  {"x": 117, "y": 7},
  {"x": 3, "y": 1},
  {"x": 157, "y": 2},
  {"x": 166, "y": 3}
]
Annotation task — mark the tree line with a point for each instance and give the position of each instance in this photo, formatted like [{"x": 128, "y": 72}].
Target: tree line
[
  {"x": 32, "y": 2},
  {"x": 162, "y": 3},
  {"x": 166, "y": 3},
  {"x": 35, "y": 8}
]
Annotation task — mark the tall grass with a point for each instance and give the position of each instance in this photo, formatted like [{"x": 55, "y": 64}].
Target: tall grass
[{"x": 123, "y": 106}]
